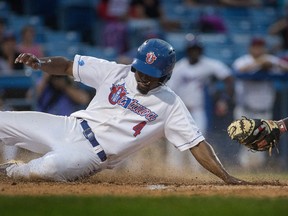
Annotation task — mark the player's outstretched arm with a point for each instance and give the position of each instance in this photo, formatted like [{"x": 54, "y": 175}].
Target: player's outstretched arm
[
  {"x": 56, "y": 65},
  {"x": 206, "y": 156}
]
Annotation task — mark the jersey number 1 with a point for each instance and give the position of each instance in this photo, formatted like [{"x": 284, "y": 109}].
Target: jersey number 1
[{"x": 137, "y": 128}]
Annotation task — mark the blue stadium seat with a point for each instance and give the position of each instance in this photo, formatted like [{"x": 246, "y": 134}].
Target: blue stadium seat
[
  {"x": 16, "y": 24},
  {"x": 105, "y": 53},
  {"x": 68, "y": 37},
  {"x": 177, "y": 40},
  {"x": 221, "y": 52},
  {"x": 234, "y": 13},
  {"x": 47, "y": 9},
  {"x": 140, "y": 30},
  {"x": 67, "y": 3},
  {"x": 273, "y": 41},
  {"x": 175, "y": 12},
  {"x": 240, "y": 43},
  {"x": 213, "y": 38},
  {"x": 4, "y": 10},
  {"x": 264, "y": 15},
  {"x": 62, "y": 43},
  {"x": 80, "y": 18},
  {"x": 61, "y": 50},
  {"x": 243, "y": 25}
]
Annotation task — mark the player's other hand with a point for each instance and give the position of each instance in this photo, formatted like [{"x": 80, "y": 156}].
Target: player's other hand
[{"x": 28, "y": 59}]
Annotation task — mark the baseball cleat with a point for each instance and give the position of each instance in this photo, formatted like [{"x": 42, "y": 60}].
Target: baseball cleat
[{"x": 4, "y": 166}]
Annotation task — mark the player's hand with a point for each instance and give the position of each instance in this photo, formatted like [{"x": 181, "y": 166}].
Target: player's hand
[
  {"x": 29, "y": 59},
  {"x": 235, "y": 181},
  {"x": 266, "y": 65}
]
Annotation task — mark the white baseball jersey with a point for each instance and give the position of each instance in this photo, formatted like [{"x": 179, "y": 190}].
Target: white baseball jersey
[
  {"x": 125, "y": 120},
  {"x": 188, "y": 80},
  {"x": 257, "y": 95}
]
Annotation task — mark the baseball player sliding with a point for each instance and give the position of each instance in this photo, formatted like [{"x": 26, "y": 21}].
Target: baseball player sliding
[{"x": 132, "y": 107}]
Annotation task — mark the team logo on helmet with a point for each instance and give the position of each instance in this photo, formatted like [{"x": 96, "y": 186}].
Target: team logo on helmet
[{"x": 150, "y": 57}]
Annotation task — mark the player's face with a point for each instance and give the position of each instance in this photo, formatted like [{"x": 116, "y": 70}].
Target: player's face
[
  {"x": 257, "y": 50},
  {"x": 146, "y": 83},
  {"x": 194, "y": 54}
]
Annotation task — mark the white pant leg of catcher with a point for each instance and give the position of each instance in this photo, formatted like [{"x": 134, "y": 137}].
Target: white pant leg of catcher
[{"x": 68, "y": 155}]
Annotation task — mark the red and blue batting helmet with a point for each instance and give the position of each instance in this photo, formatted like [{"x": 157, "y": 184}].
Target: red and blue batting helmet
[{"x": 155, "y": 58}]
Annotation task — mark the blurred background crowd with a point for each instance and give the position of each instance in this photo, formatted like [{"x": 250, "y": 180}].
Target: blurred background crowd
[{"x": 232, "y": 60}]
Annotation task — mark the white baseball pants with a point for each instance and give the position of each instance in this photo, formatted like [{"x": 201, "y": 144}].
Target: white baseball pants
[{"x": 67, "y": 154}]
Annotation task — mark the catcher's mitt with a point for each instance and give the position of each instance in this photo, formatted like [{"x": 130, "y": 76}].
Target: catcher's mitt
[{"x": 256, "y": 134}]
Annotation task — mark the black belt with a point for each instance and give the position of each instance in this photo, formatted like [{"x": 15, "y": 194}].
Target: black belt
[{"x": 88, "y": 133}]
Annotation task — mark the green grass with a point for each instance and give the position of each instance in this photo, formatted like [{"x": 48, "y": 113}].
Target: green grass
[{"x": 138, "y": 206}]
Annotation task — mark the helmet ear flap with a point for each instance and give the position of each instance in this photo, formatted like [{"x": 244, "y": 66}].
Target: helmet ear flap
[{"x": 165, "y": 79}]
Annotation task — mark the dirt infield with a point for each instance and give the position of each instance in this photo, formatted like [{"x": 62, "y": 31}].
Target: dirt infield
[
  {"x": 147, "y": 174},
  {"x": 115, "y": 184}
]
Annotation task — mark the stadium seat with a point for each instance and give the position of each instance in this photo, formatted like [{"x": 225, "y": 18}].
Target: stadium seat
[
  {"x": 234, "y": 13},
  {"x": 175, "y": 12},
  {"x": 213, "y": 38},
  {"x": 4, "y": 10},
  {"x": 69, "y": 37},
  {"x": 221, "y": 52},
  {"x": 16, "y": 24},
  {"x": 67, "y": 3},
  {"x": 99, "y": 52},
  {"x": 81, "y": 18},
  {"x": 62, "y": 43},
  {"x": 177, "y": 40},
  {"x": 140, "y": 30}
]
